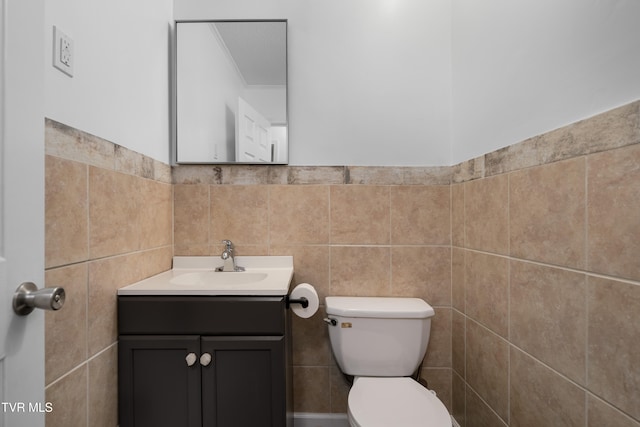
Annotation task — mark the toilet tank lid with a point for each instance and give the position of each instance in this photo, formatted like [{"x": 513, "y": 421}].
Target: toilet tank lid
[{"x": 379, "y": 307}]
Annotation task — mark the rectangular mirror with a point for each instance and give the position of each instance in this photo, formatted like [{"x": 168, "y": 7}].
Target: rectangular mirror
[{"x": 231, "y": 92}]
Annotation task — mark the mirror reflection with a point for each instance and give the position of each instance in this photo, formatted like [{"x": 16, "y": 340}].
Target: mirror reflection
[{"x": 231, "y": 92}]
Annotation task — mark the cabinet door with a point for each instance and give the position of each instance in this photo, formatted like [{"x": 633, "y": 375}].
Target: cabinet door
[
  {"x": 244, "y": 385},
  {"x": 155, "y": 384}
]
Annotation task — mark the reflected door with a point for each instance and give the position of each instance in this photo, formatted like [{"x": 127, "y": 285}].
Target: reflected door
[{"x": 253, "y": 135}]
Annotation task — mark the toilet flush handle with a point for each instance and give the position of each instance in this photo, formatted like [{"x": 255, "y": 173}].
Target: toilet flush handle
[{"x": 332, "y": 322}]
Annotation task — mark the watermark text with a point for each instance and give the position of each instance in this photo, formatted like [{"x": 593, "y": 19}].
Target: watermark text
[{"x": 27, "y": 407}]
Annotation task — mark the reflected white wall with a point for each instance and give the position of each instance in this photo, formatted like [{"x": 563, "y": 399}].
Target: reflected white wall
[{"x": 369, "y": 81}]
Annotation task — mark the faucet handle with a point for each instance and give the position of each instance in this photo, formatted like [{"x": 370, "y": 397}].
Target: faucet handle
[{"x": 229, "y": 244}]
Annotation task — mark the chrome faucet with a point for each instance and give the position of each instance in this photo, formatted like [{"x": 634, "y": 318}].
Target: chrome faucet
[{"x": 228, "y": 258}]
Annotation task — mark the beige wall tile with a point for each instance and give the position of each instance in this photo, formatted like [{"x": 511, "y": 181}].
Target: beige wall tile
[
  {"x": 310, "y": 265},
  {"x": 539, "y": 150},
  {"x": 360, "y": 271},
  {"x": 424, "y": 210},
  {"x": 244, "y": 174},
  {"x": 488, "y": 368},
  {"x": 66, "y": 207},
  {"x": 468, "y": 170},
  {"x": 420, "y": 215},
  {"x": 612, "y": 129},
  {"x": 132, "y": 163},
  {"x": 113, "y": 213},
  {"x": 549, "y": 316},
  {"x": 439, "y": 380},
  {"x": 156, "y": 214},
  {"x": 600, "y": 414},
  {"x": 458, "y": 399},
  {"x": 310, "y": 339},
  {"x": 103, "y": 389},
  {"x": 486, "y": 224},
  {"x": 547, "y": 213},
  {"x": 458, "y": 346},
  {"x": 68, "y": 396},
  {"x": 360, "y": 214},
  {"x": 106, "y": 276},
  {"x": 162, "y": 172},
  {"x": 191, "y": 220},
  {"x": 375, "y": 175},
  {"x": 242, "y": 250},
  {"x": 305, "y": 175},
  {"x": 299, "y": 214},
  {"x": 240, "y": 213},
  {"x": 339, "y": 391},
  {"x": 487, "y": 290},
  {"x": 439, "y": 348},
  {"x": 540, "y": 397},
  {"x": 457, "y": 279},
  {"x": 96, "y": 213},
  {"x": 393, "y": 175},
  {"x": 66, "y": 329},
  {"x": 457, "y": 215},
  {"x": 614, "y": 348},
  {"x": 614, "y": 203},
  {"x": 479, "y": 414},
  {"x": 615, "y": 128},
  {"x": 73, "y": 144},
  {"x": 153, "y": 261},
  {"x": 422, "y": 272},
  {"x": 310, "y": 385},
  {"x": 196, "y": 174}
]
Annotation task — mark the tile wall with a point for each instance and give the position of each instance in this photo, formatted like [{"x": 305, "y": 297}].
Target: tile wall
[
  {"x": 351, "y": 231},
  {"x": 529, "y": 255},
  {"x": 546, "y": 279},
  {"x": 108, "y": 215}
]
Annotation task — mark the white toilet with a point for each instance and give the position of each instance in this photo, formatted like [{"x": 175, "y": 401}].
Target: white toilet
[{"x": 381, "y": 342}]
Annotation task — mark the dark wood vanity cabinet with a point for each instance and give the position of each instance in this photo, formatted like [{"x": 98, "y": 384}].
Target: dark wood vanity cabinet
[{"x": 204, "y": 361}]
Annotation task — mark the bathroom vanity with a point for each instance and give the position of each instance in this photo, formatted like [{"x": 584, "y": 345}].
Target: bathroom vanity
[{"x": 216, "y": 351}]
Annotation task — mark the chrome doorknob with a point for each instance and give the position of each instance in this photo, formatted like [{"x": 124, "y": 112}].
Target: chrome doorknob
[{"x": 27, "y": 297}]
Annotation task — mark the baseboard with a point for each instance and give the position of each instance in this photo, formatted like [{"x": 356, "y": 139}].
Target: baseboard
[{"x": 308, "y": 419}]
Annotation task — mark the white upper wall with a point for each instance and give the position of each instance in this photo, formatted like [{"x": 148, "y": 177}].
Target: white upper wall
[
  {"x": 369, "y": 80},
  {"x": 522, "y": 68},
  {"x": 120, "y": 87},
  {"x": 372, "y": 82}
]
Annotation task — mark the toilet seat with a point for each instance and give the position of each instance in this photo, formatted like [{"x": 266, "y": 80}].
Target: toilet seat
[{"x": 384, "y": 402}]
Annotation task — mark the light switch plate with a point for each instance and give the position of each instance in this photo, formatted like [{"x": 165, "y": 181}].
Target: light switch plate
[{"x": 62, "y": 52}]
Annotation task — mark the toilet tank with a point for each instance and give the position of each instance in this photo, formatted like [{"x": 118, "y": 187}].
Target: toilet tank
[{"x": 379, "y": 336}]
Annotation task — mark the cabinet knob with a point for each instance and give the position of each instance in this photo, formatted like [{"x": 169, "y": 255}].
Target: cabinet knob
[
  {"x": 191, "y": 359},
  {"x": 205, "y": 359}
]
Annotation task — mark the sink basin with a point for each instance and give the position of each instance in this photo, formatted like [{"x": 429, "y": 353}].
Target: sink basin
[
  {"x": 218, "y": 278},
  {"x": 263, "y": 276}
]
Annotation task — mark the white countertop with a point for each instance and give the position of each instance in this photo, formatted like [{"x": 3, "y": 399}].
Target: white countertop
[{"x": 263, "y": 276}]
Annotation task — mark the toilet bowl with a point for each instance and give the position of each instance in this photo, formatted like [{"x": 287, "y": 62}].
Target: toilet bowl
[
  {"x": 402, "y": 402},
  {"x": 381, "y": 342}
]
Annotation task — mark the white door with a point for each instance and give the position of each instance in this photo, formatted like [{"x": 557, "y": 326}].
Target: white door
[
  {"x": 253, "y": 139},
  {"x": 21, "y": 209}
]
